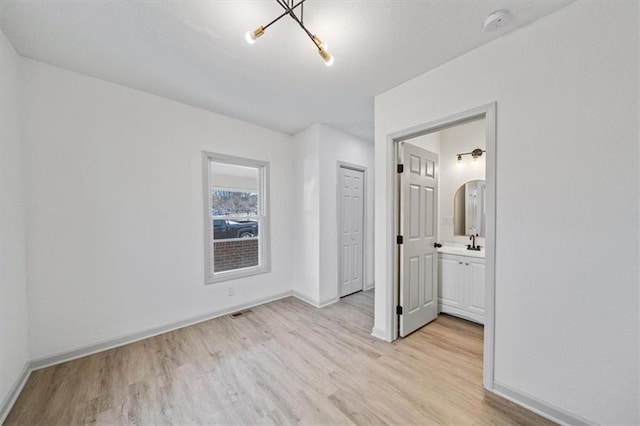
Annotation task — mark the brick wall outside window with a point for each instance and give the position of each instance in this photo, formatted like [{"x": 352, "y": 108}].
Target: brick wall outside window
[{"x": 229, "y": 255}]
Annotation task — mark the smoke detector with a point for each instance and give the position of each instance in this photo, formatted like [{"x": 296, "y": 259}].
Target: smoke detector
[{"x": 497, "y": 20}]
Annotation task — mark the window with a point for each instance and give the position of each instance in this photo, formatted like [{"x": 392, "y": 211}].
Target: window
[{"x": 236, "y": 217}]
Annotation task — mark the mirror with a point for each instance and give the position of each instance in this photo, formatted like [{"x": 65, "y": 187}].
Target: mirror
[{"x": 469, "y": 210}]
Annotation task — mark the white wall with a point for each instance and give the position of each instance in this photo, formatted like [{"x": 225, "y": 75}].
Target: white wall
[
  {"x": 317, "y": 151},
  {"x": 455, "y": 140},
  {"x": 305, "y": 259},
  {"x": 430, "y": 142},
  {"x": 567, "y": 243},
  {"x": 338, "y": 146},
  {"x": 447, "y": 144},
  {"x": 115, "y": 209},
  {"x": 14, "y": 338}
]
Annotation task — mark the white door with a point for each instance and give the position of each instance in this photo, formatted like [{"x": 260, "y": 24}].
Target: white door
[
  {"x": 418, "y": 256},
  {"x": 351, "y": 211}
]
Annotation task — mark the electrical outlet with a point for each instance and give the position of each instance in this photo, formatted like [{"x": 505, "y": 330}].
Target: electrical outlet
[{"x": 230, "y": 290}]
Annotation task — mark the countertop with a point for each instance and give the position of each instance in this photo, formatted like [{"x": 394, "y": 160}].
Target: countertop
[{"x": 461, "y": 251}]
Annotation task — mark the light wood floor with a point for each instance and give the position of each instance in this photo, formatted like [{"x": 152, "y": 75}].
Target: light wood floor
[{"x": 285, "y": 362}]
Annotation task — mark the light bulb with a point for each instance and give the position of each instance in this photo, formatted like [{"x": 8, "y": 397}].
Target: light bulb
[
  {"x": 251, "y": 36},
  {"x": 326, "y": 57},
  {"x": 459, "y": 159}
]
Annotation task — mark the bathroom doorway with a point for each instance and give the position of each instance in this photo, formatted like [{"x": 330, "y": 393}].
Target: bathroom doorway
[{"x": 465, "y": 221}]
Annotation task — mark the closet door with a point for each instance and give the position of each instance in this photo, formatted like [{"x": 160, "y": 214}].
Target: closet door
[{"x": 351, "y": 211}]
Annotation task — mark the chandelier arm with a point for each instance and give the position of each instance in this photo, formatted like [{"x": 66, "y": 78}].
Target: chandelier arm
[
  {"x": 285, "y": 13},
  {"x": 288, "y": 10},
  {"x": 295, "y": 18}
]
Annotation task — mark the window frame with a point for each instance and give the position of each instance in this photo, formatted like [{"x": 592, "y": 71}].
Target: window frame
[{"x": 264, "y": 235}]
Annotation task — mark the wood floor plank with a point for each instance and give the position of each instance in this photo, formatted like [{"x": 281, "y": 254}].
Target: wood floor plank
[{"x": 285, "y": 362}]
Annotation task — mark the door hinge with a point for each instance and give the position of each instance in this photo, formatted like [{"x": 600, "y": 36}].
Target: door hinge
[
  {"x": 399, "y": 239},
  {"x": 398, "y": 310},
  {"x": 400, "y": 168}
]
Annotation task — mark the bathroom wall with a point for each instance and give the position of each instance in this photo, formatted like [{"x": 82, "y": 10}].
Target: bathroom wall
[
  {"x": 430, "y": 142},
  {"x": 453, "y": 174},
  {"x": 448, "y": 143}
]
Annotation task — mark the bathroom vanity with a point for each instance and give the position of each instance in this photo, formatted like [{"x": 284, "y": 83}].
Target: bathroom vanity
[{"x": 461, "y": 283}]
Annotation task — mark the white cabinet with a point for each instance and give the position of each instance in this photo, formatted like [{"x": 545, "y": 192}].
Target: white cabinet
[{"x": 461, "y": 286}]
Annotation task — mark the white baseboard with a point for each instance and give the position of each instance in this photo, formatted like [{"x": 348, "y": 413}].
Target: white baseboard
[
  {"x": 14, "y": 392},
  {"x": 316, "y": 304},
  {"x": 379, "y": 334},
  {"x": 328, "y": 302},
  {"x": 542, "y": 408},
  {"x": 47, "y": 361},
  {"x": 306, "y": 299}
]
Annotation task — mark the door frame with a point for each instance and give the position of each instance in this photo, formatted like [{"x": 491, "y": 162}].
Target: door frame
[
  {"x": 365, "y": 221},
  {"x": 488, "y": 113}
]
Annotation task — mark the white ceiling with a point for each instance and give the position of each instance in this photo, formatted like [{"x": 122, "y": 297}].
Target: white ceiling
[{"x": 194, "y": 51}]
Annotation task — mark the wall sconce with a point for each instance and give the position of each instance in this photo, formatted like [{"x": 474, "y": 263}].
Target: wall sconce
[{"x": 475, "y": 154}]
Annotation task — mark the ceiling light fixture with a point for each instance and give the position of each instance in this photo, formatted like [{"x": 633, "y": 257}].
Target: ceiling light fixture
[
  {"x": 289, "y": 9},
  {"x": 475, "y": 154}
]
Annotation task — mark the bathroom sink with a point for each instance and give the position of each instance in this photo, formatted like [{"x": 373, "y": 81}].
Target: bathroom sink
[{"x": 461, "y": 251}]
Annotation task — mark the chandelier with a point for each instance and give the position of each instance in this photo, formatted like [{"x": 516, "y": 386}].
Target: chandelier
[{"x": 289, "y": 9}]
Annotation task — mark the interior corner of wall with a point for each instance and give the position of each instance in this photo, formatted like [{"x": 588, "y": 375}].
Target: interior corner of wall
[{"x": 313, "y": 301}]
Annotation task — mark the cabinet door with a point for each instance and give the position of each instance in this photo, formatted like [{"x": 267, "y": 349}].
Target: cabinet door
[
  {"x": 449, "y": 280},
  {"x": 475, "y": 285}
]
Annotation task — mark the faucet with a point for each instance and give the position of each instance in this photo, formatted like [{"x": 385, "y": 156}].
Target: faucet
[{"x": 473, "y": 246}]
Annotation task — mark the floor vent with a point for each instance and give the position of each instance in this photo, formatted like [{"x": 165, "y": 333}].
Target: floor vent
[{"x": 240, "y": 313}]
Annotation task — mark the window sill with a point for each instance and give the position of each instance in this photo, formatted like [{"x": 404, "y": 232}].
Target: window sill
[{"x": 236, "y": 274}]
